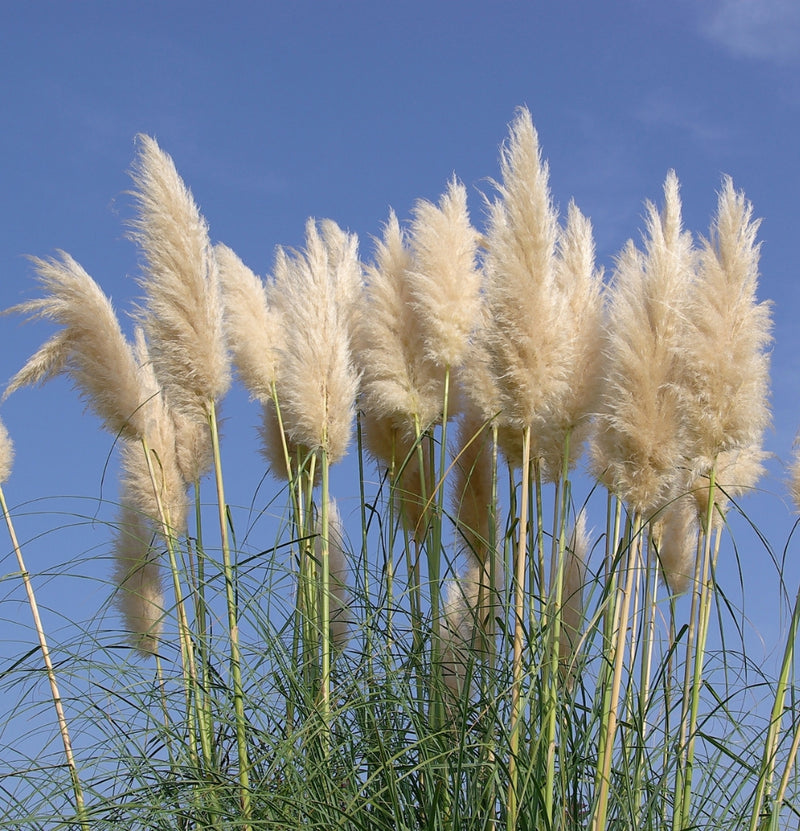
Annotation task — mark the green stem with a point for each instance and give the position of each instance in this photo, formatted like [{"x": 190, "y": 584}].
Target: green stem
[
  {"x": 233, "y": 626},
  {"x": 80, "y": 806},
  {"x": 520, "y": 569}
]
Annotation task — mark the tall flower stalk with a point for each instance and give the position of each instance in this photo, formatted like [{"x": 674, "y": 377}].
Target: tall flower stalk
[{"x": 6, "y": 459}]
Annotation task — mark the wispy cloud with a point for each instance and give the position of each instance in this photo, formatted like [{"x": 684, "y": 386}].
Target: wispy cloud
[
  {"x": 767, "y": 30},
  {"x": 663, "y": 108}
]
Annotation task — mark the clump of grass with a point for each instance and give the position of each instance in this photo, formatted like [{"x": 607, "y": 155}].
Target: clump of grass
[{"x": 458, "y": 651}]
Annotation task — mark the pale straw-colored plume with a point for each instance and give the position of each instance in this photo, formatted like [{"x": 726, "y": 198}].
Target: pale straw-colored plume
[
  {"x": 444, "y": 281},
  {"x": 339, "y": 615},
  {"x": 471, "y": 603},
  {"x": 640, "y": 444},
  {"x": 182, "y": 314},
  {"x": 179, "y": 451},
  {"x": 398, "y": 381},
  {"x": 6, "y": 454},
  {"x": 472, "y": 490},
  {"x": 726, "y": 379},
  {"x": 523, "y": 338},
  {"x": 90, "y": 347},
  {"x": 737, "y": 472},
  {"x": 252, "y": 326},
  {"x": 317, "y": 380},
  {"x": 574, "y": 580},
  {"x": 581, "y": 328},
  {"x": 674, "y": 536},
  {"x": 472, "y": 600},
  {"x": 137, "y": 573}
]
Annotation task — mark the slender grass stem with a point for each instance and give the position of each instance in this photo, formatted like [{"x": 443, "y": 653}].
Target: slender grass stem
[
  {"x": 233, "y": 627},
  {"x": 617, "y": 658},
  {"x": 63, "y": 728},
  {"x": 520, "y": 559}
]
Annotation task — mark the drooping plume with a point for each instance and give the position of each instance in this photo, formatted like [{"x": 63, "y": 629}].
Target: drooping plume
[
  {"x": 90, "y": 348},
  {"x": 182, "y": 314},
  {"x": 674, "y": 535},
  {"x": 6, "y": 454},
  {"x": 572, "y": 598},
  {"x": 137, "y": 575},
  {"x": 640, "y": 441},
  {"x": 339, "y": 610}
]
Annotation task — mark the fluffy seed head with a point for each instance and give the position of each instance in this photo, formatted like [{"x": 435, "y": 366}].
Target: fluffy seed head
[
  {"x": 640, "y": 440},
  {"x": 6, "y": 453},
  {"x": 137, "y": 574},
  {"x": 90, "y": 348},
  {"x": 182, "y": 315},
  {"x": 399, "y": 382},
  {"x": 444, "y": 281},
  {"x": 253, "y": 329},
  {"x": 726, "y": 382},
  {"x": 317, "y": 381},
  {"x": 524, "y": 308}
]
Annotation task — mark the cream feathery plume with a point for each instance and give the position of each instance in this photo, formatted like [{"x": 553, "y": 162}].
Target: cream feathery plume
[
  {"x": 726, "y": 380},
  {"x": 523, "y": 338},
  {"x": 337, "y": 559},
  {"x": 472, "y": 491},
  {"x": 6, "y": 454},
  {"x": 674, "y": 535},
  {"x": 468, "y": 618},
  {"x": 317, "y": 381},
  {"x": 444, "y": 281},
  {"x": 182, "y": 315},
  {"x": 575, "y": 555},
  {"x": 137, "y": 573},
  {"x": 166, "y": 489},
  {"x": 90, "y": 348},
  {"x": 794, "y": 476},
  {"x": 252, "y": 326},
  {"x": 581, "y": 286},
  {"x": 737, "y": 471},
  {"x": 640, "y": 443},
  {"x": 398, "y": 381}
]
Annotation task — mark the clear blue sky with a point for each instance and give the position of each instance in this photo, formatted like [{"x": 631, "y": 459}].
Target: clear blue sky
[{"x": 274, "y": 112}]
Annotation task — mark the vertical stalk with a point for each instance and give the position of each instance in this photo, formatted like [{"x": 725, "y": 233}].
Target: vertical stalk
[
  {"x": 519, "y": 624},
  {"x": 80, "y": 806},
  {"x": 188, "y": 663},
  {"x": 233, "y": 625},
  {"x": 618, "y": 656},
  {"x": 703, "y": 612},
  {"x": 768, "y": 760},
  {"x": 325, "y": 586}
]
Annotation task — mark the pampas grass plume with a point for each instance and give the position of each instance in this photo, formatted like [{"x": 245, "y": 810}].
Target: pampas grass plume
[
  {"x": 138, "y": 576},
  {"x": 523, "y": 338},
  {"x": 91, "y": 348},
  {"x": 253, "y": 329},
  {"x": 6, "y": 454},
  {"x": 444, "y": 281},
  {"x": 317, "y": 381},
  {"x": 182, "y": 316},
  {"x": 399, "y": 382},
  {"x": 727, "y": 364}
]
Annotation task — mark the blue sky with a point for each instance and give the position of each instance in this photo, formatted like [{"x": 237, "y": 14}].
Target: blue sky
[{"x": 274, "y": 112}]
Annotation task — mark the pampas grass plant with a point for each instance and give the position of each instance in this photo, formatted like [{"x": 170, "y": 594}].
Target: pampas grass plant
[{"x": 445, "y": 645}]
